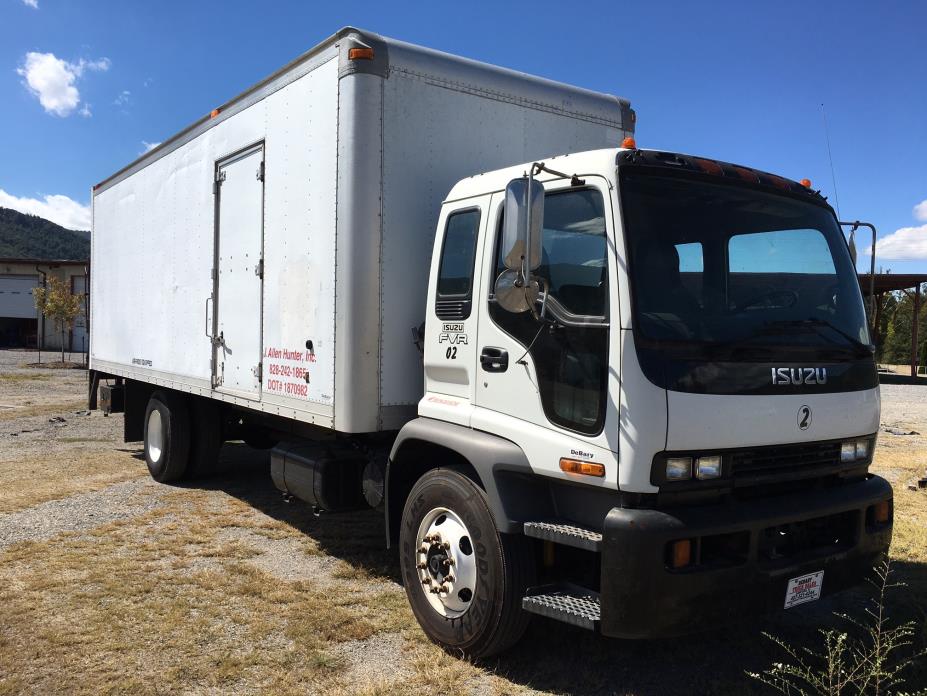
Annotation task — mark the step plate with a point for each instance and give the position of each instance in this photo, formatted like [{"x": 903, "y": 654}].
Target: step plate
[
  {"x": 569, "y": 604},
  {"x": 566, "y": 534}
]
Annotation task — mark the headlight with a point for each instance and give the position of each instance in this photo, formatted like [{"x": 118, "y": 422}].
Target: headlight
[
  {"x": 678, "y": 468},
  {"x": 854, "y": 450},
  {"x": 862, "y": 449},
  {"x": 708, "y": 467}
]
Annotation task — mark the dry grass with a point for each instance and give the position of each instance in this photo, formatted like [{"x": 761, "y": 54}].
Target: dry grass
[
  {"x": 24, "y": 409},
  {"x": 23, "y": 377},
  {"x": 124, "y": 610},
  {"x": 28, "y": 481}
]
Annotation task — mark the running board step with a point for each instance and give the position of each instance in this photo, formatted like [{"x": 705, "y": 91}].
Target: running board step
[
  {"x": 565, "y": 602},
  {"x": 565, "y": 533}
]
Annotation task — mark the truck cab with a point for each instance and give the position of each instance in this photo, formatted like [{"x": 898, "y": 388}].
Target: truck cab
[{"x": 665, "y": 402}]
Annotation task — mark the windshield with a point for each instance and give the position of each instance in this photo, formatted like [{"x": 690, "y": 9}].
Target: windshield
[{"x": 731, "y": 267}]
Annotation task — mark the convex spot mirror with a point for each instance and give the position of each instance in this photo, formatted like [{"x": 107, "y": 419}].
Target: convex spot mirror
[{"x": 515, "y": 289}]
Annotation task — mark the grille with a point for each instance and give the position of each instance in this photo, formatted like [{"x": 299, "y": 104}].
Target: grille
[
  {"x": 786, "y": 461},
  {"x": 452, "y": 309}
]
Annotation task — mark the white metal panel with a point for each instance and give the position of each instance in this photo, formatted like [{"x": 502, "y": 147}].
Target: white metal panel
[
  {"x": 16, "y": 300},
  {"x": 299, "y": 231},
  {"x": 153, "y": 245},
  {"x": 239, "y": 251},
  {"x": 705, "y": 421},
  {"x": 452, "y": 133}
]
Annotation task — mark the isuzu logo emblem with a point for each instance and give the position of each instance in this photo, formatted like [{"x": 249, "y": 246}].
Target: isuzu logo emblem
[
  {"x": 799, "y": 375},
  {"x": 804, "y": 418}
]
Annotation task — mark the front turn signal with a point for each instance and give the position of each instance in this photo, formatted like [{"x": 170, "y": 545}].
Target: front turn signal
[{"x": 574, "y": 466}]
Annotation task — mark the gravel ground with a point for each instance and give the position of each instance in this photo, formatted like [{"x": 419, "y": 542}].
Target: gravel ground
[
  {"x": 42, "y": 423},
  {"x": 79, "y": 512}
]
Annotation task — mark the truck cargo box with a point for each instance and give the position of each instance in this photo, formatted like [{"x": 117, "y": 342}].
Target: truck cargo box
[{"x": 275, "y": 254}]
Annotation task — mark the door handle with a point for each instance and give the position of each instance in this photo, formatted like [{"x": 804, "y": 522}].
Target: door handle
[{"x": 494, "y": 359}]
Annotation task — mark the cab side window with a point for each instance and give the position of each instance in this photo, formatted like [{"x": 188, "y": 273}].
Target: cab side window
[{"x": 455, "y": 273}]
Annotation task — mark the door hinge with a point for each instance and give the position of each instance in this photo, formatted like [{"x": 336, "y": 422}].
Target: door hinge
[
  {"x": 259, "y": 269},
  {"x": 260, "y": 171},
  {"x": 259, "y": 372},
  {"x": 220, "y": 177}
]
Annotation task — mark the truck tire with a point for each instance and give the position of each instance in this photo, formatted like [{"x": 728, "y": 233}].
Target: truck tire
[
  {"x": 206, "y": 439},
  {"x": 167, "y": 436},
  {"x": 447, "y": 529}
]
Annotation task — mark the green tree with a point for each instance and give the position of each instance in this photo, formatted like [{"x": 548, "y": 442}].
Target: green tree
[{"x": 56, "y": 302}]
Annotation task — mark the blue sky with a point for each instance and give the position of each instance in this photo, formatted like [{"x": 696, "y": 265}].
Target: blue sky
[{"x": 739, "y": 81}]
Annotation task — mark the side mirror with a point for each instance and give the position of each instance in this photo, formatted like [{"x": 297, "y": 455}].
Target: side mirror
[
  {"x": 524, "y": 222},
  {"x": 515, "y": 289}
]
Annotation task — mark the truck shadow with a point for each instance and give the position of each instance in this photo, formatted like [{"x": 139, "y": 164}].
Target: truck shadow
[{"x": 559, "y": 658}]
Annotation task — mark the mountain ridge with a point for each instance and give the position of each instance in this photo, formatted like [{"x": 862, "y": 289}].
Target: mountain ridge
[{"x": 24, "y": 236}]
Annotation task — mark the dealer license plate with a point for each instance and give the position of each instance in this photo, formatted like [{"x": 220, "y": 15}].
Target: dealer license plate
[{"x": 805, "y": 588}]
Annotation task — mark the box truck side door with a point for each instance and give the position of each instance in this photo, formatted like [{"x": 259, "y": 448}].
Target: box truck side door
[{"x": 239, "y": 273}]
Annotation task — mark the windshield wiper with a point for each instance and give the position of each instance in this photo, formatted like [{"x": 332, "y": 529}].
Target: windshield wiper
[
  {"x": 817, "y": 323},
  {"x": 779, "y": 328}
]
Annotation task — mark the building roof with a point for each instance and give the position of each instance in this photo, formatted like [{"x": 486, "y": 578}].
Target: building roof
[
  {"x": 887, "y": 282},
  {"x": 45, "y": 262}
]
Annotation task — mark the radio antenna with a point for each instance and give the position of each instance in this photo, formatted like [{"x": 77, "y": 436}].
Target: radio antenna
[{"x": 830, "y": 157}]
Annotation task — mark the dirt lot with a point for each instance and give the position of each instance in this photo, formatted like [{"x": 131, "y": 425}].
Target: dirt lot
[{"x": 112, "y": 583}]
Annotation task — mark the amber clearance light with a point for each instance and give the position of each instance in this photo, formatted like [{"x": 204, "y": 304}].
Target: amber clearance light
[
  {"x": 360, "y": 53},
  {"x": 573, "y": 466}
]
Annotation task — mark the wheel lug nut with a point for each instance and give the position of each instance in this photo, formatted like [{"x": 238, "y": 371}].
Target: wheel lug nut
[
  {"x": 426, "y": 581},
  {"x": 448, "y": 562},
  {"x": 448, "y": 578},
  {"x": 424, "y": 549},
  {"x": 447, "y": 545},
  {"x": 421, "y": 566}
]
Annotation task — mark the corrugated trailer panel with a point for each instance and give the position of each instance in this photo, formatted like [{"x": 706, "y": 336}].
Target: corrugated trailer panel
[
  {"x": 153, "y": 250},
  {"x": 461, "y": 130}
]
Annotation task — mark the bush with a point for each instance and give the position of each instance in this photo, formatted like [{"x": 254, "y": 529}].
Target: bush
[{"x": 867, "y": 659}]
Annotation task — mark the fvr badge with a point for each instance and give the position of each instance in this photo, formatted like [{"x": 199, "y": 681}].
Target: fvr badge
[{"x": 453, "y": 334}]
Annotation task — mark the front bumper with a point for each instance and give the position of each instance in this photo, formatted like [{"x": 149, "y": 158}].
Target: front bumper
[{"x": 742, "y": 570}]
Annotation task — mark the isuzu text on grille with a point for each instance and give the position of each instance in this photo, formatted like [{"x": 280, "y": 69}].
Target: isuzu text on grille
[{"x": 799, "y": 375}]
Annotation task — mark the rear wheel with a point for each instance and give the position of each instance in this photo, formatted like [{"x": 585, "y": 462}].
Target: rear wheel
[
  {"x": 463, "y": 578},
  {"x": 167, "y": 436}
]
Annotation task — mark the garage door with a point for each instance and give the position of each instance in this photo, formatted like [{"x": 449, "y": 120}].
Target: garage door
[{"x": 16, "y": 296}]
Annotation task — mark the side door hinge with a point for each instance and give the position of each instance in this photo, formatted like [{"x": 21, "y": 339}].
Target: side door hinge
[
  {"x": 220, "y": 177},
  {"x": 259, "y": 269},
  {"x": 260, "y": 171},
  {"x": 259, "y": 372}
]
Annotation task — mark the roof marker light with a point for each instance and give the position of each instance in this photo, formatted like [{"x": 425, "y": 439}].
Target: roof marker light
[
  {"x": 806, "y": 183},
  {"x": 629, "y": 143},
  {"x": 213, "y": 113},
  {"x": 365, "y": 53},
  {"x": 708, "y": 166}
]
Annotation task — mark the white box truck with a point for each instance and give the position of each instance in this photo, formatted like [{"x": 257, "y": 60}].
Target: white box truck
[{"x": 630, "y": 390}]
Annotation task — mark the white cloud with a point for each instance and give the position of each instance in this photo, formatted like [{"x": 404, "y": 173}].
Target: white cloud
[
  {"x": 53, "y": 80},
  {"x": 149, "y": 146},
  {"x": 85, "y": 110},
  {"x": 920, "y": 211},
  {"x": 906, "y": 244},
  {"x": 59, "y": 209},
  {"x": 123, "y": 98},
  {"x": 34, "y": 4}
]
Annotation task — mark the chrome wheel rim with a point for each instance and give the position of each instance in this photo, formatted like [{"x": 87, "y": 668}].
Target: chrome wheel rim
[
  {"x": 155, "y": 438},
  {"x": 446, "y": 563}
]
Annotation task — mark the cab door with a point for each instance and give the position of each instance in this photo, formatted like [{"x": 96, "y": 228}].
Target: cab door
[
  {"x": 451, "y": 318},
  {"x": 547, "y": 386}
]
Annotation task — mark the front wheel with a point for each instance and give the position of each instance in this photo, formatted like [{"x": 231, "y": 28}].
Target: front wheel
[{"x": 463, "y": 578}]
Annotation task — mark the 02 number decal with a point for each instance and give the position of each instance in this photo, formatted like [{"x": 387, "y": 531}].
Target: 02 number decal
[
  {"x": 451, "y": 353},
  {"x": 804, "y": 418}
]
